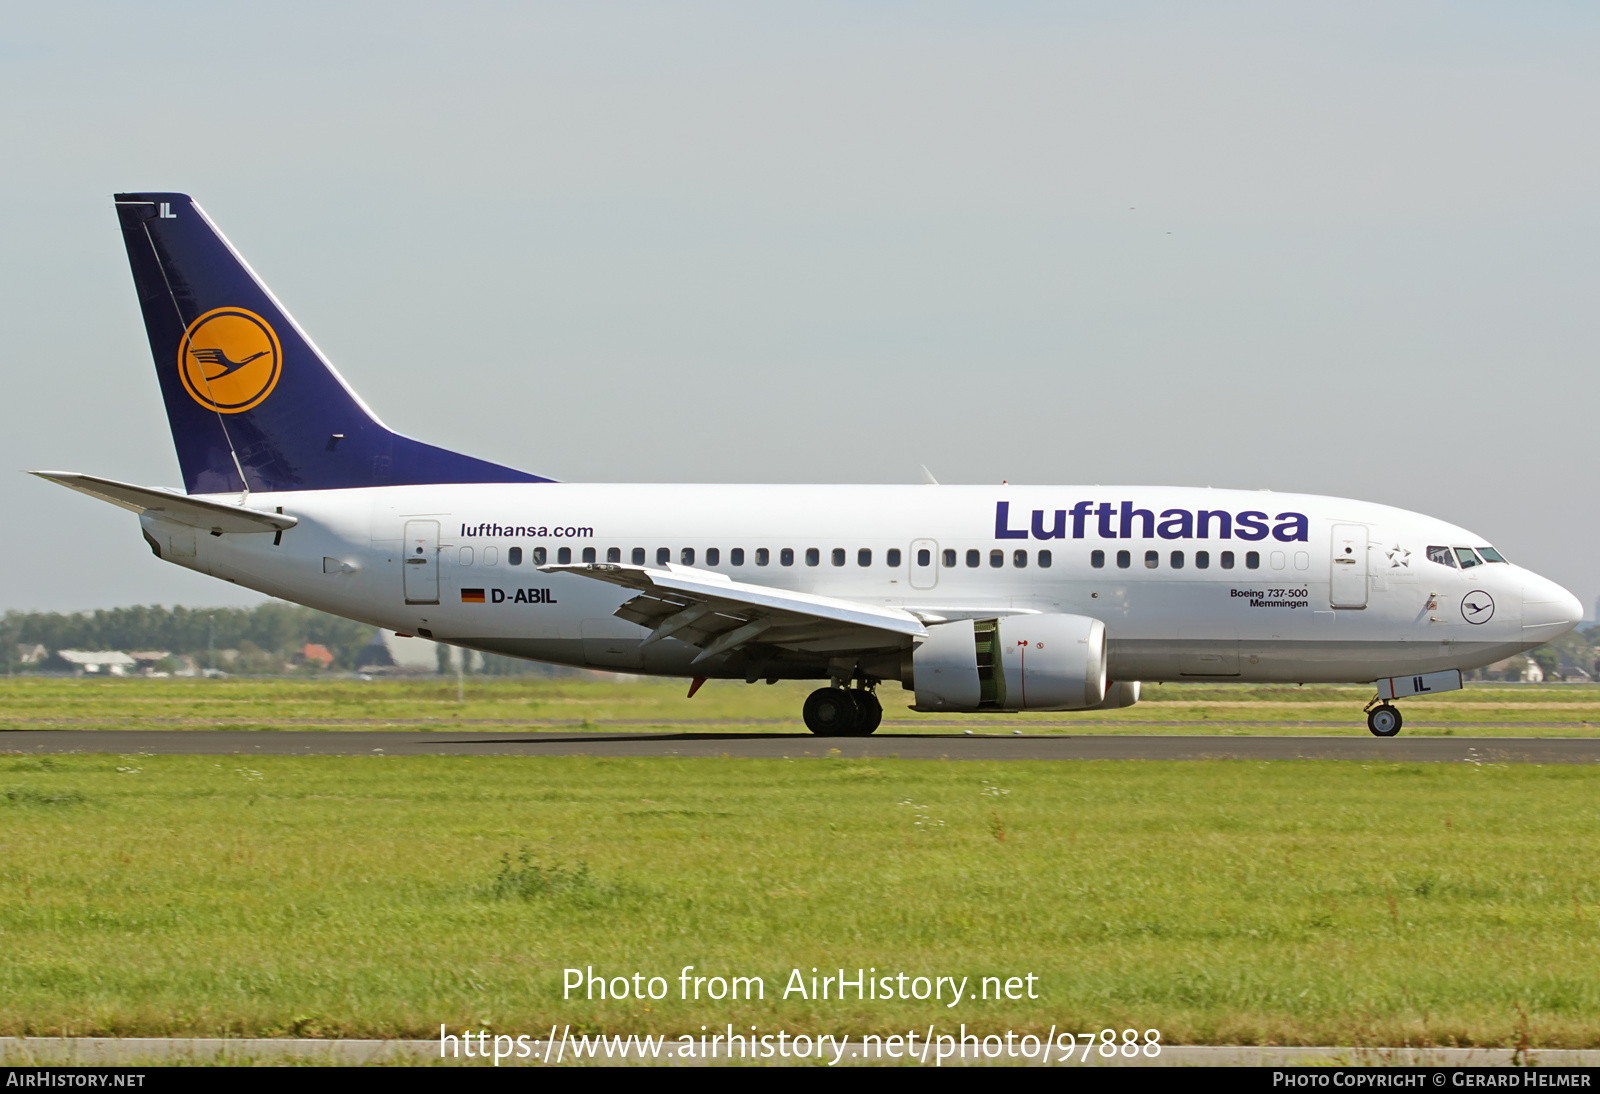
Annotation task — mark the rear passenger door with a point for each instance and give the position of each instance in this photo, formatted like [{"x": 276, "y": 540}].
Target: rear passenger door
[{"x": 420, "y": 566}]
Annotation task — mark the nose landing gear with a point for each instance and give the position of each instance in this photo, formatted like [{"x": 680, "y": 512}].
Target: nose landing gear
[
  {"x": 1384, "y": 720},
  {"x": 842, "y": 712}
]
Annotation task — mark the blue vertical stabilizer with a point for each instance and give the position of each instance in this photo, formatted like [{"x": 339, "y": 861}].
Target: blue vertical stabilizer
[{"x": 251, "y": 401}]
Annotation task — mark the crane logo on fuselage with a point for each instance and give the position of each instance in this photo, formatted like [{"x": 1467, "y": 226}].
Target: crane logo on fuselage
[
  {"x": 1477, "y": 607},
  {"x": 230, "y": 360}
]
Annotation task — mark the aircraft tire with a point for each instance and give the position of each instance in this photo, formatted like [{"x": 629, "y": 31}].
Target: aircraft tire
[
  {"x": 1384, "y": 721},
  {"x": 869, "y": 712},
  {"x": 831, "y": 712}
]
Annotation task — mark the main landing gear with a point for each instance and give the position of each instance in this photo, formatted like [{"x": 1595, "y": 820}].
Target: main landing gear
[
  {"x": 1384, "y": 720},
  {"x": 842, "y": 712}
]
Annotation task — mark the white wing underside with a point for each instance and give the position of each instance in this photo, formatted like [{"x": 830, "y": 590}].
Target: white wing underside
[{"x": 718, "y": 614}]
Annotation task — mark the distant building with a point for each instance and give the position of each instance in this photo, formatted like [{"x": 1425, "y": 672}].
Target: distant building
[
  {"x": 1520, "y": 668},
  {"x": 375, "y": 655},
  {"x": 31, "y": 653},
  {"x": 110, "y": 662},
  {"x": 391, "y": 653},
  {"x": 313, "y": 653}
]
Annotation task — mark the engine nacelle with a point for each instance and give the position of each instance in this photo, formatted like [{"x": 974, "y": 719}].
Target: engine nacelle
[
  {"x": 1119, "y": 694},
  {"x": 1014, "y": 663}
]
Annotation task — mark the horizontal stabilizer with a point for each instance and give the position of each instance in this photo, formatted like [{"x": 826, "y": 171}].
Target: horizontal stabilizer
[{"x": 213, "y": 516}]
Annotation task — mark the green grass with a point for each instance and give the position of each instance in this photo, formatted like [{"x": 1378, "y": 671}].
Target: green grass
[
  {"x": 1299, "y": 903},
  {"x": 432, "y": 703}
]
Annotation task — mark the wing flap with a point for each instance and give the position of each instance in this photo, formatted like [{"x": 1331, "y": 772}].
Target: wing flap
[{"x": 709, "y": 610}]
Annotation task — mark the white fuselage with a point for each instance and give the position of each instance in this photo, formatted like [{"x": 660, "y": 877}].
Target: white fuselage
[{"x": 1346, "y": 594}]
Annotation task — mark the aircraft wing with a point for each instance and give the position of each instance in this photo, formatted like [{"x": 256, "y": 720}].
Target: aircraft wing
[
  {"x": 718, "y": 614},
  {"x": 212, "y": 516}
]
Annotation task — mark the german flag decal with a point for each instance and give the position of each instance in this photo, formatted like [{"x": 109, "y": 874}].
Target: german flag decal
[{"x": 472, "y": 596}]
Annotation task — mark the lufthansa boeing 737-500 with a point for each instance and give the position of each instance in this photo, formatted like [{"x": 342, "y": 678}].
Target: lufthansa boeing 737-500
[{"x": 973, "y": 598}]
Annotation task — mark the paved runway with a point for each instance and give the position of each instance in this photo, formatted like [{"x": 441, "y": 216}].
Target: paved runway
[{"x": 212, "y": 742}]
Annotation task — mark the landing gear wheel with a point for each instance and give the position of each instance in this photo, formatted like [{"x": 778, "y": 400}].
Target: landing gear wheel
[
  {"x": 831, "y": 712},
  {"x": 869, "y": 712},
  {"x": 1384, "y": 721}
]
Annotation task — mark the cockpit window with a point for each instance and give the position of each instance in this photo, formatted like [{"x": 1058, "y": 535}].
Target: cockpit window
[
  {"x": 1442, "y": 556},
  {"x": 1491, "y": 555},
  {"x": 1468, "y": 558}
]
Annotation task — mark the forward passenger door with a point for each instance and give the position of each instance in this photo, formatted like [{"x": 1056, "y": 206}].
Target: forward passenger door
[{"x": 1347, "y": 587}]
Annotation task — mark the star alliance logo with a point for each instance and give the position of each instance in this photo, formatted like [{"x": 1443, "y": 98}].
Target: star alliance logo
[{"x": 1399, "y": 556}]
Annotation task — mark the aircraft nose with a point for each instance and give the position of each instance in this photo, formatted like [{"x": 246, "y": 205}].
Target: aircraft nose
[{"x": 1548, "y": 610}]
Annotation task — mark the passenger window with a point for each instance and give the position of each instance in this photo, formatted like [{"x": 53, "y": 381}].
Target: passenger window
[
  {"x": 763, "y": 556},
  {"x": 838, "y": 556},
  {"x": 588, "y": 554},
  {"x": 466, "y": 556},
  {"x": 1468, "y": 559},
  {"x": 1019, "y": 559},
  {"x": 564, "y": 556},
  {"x": 687, "y": 556},
  {"x": 1491, "y": 555},
  {"x": 949, "y": 558},
  {"x": 538, "y": 556},
  {"x": 1045, "y": 559},
  {"x": 1202, "y": 560},
  {"x": 1227, "y": 560},
  {"x": 1278, "y": 560},
  {"x": 973, "y": 558},
  {"x": 736, "y": 556},
  {"x": 638, "y": 556},
  {"x": 1252, "y": 560},
  {"x": 713, "y": 556},
  {"x": 1302, "y": 560},
  {"x": 663, "y": 555},
  {"x": 997, "y": 559},
  {"x": 813, "y": 556},
  {"x": 613, "y": 554},
  {"x": 1152, "y": 559},
  {"x": 891, "y": 558},
  {"x": 491, "y": 555},
  {"x": 513, "y": 556},
  {"x": 924, "y": 557},
  {"x": 864, "y": 557},
  {"x": 1097, "y": 559},
  {"x": 1442, "y": 556},
  {"x": 786, "y": 557},
  {"x": 1124, "y": 560},
  {"x": 1176, "y": 560}
]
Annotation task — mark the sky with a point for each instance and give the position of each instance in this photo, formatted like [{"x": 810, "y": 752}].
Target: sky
[{"x": 1344, "y": 249}]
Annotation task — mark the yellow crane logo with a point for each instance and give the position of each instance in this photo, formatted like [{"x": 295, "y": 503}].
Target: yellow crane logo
[{"x": 229, "y": 360}]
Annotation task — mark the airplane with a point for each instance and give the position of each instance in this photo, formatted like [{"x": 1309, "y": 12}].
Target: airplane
[{"x": 982, "y": 599}]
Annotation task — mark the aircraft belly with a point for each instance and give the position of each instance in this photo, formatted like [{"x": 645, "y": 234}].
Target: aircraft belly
[{"x": 1301, "y": 660}]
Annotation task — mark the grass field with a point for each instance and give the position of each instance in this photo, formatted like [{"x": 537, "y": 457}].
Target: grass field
[
  {"x": 1298, "y": 903},
  {"x": 432, "y": 703}
]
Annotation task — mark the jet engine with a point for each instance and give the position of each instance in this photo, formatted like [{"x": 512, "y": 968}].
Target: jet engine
[{"x": 1014, "y": 663}]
